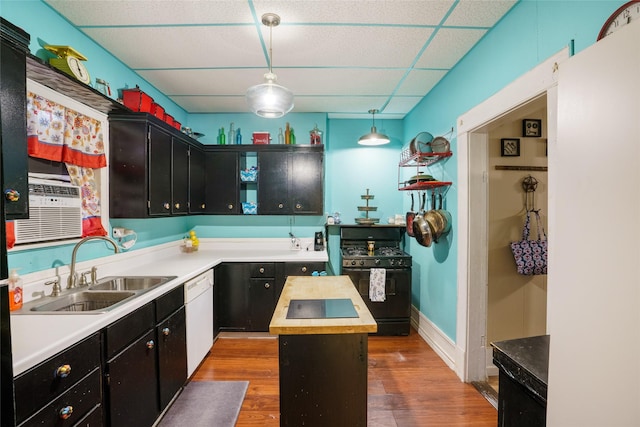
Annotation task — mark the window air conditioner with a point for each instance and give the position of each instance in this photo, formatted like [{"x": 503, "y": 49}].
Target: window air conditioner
[{"x": 55, "y": 212}]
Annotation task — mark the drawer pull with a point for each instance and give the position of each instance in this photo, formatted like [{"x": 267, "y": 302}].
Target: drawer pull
[
  {"x": 167, "y": 206},
  {"x": 65, "y": 413},
  {"x": 151, "y": 345},
  {"x": 11, "y": 195},
  {"x": 298, "y": 206},
  {"x": 267, "y": 285},
  {"x": 229, "y": 206},
  {"x": 63, "y": 371},
  {"x": 261, "y": 270},
  {"x": 166, "y": 332},
  {"x": 280, "y": 206},
  {"x": 304, "y": 269},
  {"x": 177, "y": 205}
]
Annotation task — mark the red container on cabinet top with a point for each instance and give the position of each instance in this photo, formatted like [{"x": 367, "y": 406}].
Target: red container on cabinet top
[
  {"x": 137, "y": 100},
  {"x": 261, "y": 137},
  {"x": 157, "y": 110}
]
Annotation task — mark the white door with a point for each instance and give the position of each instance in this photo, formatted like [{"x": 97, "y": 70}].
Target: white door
[{"x": 593, "y": 309}]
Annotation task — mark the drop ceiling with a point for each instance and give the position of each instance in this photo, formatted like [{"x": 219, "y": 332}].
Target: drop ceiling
[{"x": 339, "y": 57}]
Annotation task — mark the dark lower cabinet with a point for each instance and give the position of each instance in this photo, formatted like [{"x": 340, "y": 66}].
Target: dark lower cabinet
[
  {"x": 70, "y": 378},
  {"x": 132, "y": 384},
  {"x": 247, "y": 293},
  {"x": 172, "y": 356}
]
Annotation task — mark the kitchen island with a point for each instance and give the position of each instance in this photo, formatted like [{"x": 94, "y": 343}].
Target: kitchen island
[{"x": 323, "y": 326}]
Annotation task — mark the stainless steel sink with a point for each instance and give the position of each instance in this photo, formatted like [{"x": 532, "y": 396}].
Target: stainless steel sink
[
  {"x": 130, "y": 283},
  {"x": 85, "y": 301}
]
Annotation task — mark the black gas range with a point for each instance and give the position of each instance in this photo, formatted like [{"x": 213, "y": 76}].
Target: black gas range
[{"x": 367, "y": 247}]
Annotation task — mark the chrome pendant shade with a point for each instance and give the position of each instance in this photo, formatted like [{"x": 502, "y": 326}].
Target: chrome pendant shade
[
  {"x": 269, "y": 99},
  {"x": 373, "y": 137}
]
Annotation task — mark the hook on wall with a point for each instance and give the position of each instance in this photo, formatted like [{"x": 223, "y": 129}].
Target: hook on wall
[{"x": 529, "y": 185}]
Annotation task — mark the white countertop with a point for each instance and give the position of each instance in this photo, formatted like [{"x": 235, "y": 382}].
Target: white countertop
[{"x": 36, "y": 337}]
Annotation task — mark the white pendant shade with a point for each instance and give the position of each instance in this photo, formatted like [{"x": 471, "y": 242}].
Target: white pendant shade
[
  {"x": 269, "y": 99},
  {"x": 374, "y": 138}
]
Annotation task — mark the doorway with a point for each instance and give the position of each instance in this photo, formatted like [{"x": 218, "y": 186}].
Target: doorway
[{"x": 537, "y": 87}]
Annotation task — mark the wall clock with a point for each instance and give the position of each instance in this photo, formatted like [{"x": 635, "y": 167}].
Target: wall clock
[
  {"x": 628, "y": 12},
  {"x": 69, "y": 61}
]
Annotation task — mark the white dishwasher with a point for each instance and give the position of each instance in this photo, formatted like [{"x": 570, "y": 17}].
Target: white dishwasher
[{"x": 198, "y": 297}]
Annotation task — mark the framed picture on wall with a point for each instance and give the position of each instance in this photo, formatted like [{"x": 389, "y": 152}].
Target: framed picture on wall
[
  {"x": 510, "y": 147},
  {"x": 532, "y": 128}
]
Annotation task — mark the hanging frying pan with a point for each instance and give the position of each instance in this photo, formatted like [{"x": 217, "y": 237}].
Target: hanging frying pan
[
  {"x": 420, "y": 144},
  {"x": 421, "y": 229},
  {"x": 410, "y": 216}
]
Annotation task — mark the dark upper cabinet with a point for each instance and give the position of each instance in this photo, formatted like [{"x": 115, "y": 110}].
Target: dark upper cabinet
[
  {"x": 197, "y": 180},
  {"x": 149, "y": 169},
  {"x": 159, "y": 176},
  {"x": 290, "y": 182},
  {"x": 180, "y": 177},
  {"x": 222, "y": 182},
  {"x": 14, "y": 45}
]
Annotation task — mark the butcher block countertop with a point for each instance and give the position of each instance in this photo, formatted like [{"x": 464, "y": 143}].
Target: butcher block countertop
[{"x": 321, "y": 288}]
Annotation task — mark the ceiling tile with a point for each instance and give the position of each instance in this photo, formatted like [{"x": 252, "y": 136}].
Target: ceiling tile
[
  {"x": 448, "y": 47},
  {"x": 380, "y": 12},
  {"x": 419, "y": 82},
  {"x": 478, "y": 13},
  {"x": 161, "y": 47},
  {"x": 153, "y": 12}
]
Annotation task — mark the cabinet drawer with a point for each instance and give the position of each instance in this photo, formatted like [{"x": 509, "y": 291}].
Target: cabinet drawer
[
  {"x": 80, "y": 398},
  {"x": 95, "y": 418},
  {"x": 169, "y": 302},
  {"x": 122, "y": 332},
  {"x": 258, "y": 269},
  {"x": 303, "y": 268},
  {"x": 41, "y": 384}
]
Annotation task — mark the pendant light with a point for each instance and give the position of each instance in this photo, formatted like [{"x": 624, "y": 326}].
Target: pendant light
[
  {"x": 269, "y": 99},
  {"x": 374, "y": 138}
]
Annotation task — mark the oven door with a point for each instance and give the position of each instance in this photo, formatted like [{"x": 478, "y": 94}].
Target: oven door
[{"x": 397, "y": 303}]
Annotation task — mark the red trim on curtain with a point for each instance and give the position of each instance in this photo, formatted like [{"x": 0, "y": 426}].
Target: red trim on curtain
[
  {"x": 92, "y": 226},
  {"x": 11, "y": 234}
]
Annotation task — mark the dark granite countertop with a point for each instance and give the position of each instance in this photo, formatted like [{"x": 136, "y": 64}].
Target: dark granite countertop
[{"x": 526, "y": 360}]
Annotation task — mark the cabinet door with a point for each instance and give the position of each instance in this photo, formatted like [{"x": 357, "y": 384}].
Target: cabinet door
[
  {"x": 172, "y": 356},
  {"x": 180, "y": 178},
  {"x": 132, "y": 384},
  {"x": 222, "y": 182},
  {"x": 262, "y": 303},
  {"x": 232, "y": 284},
  {"x": 306, "y": 191},
  {"x": 160, "y": 150},
  {"x": 273, "y": 183},
  {"x": 128, "y": 174},
  {"x": 197, "y": 180},
  {"x": 13, "y": 121}
]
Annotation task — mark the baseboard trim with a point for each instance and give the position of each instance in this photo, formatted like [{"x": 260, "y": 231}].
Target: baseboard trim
[{"x": 437, "y": 340}]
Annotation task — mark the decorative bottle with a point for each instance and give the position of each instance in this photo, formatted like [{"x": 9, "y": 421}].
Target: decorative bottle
[
  {"x": 280, "y": 137},
  {"x": 223, "y": 137},
  {"x": 292, "y": 137},
  {"x": 232, "y": 134},
  {"x": 287, "y": 134},
  {"x": 238, "y": 137}
]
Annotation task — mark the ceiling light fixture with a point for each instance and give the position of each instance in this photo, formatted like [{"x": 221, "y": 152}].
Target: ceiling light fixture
[
  {"x": 374, "y": 138},
  {"x": 270, "y": 100}
]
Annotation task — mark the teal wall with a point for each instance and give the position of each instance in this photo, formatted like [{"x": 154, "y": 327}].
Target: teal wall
[{"x": 531, "y": 32}]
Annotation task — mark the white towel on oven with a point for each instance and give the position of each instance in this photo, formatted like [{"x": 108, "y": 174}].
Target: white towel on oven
[{"x": 377, "y": 279}]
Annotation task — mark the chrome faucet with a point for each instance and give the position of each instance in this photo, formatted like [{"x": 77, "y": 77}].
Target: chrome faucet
[
  {"x": 295, "y": 242},
  {"x": 73, "y": 276}
]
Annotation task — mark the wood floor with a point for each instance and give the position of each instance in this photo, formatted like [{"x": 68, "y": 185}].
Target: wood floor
[{"x": 409, "y": 385}]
